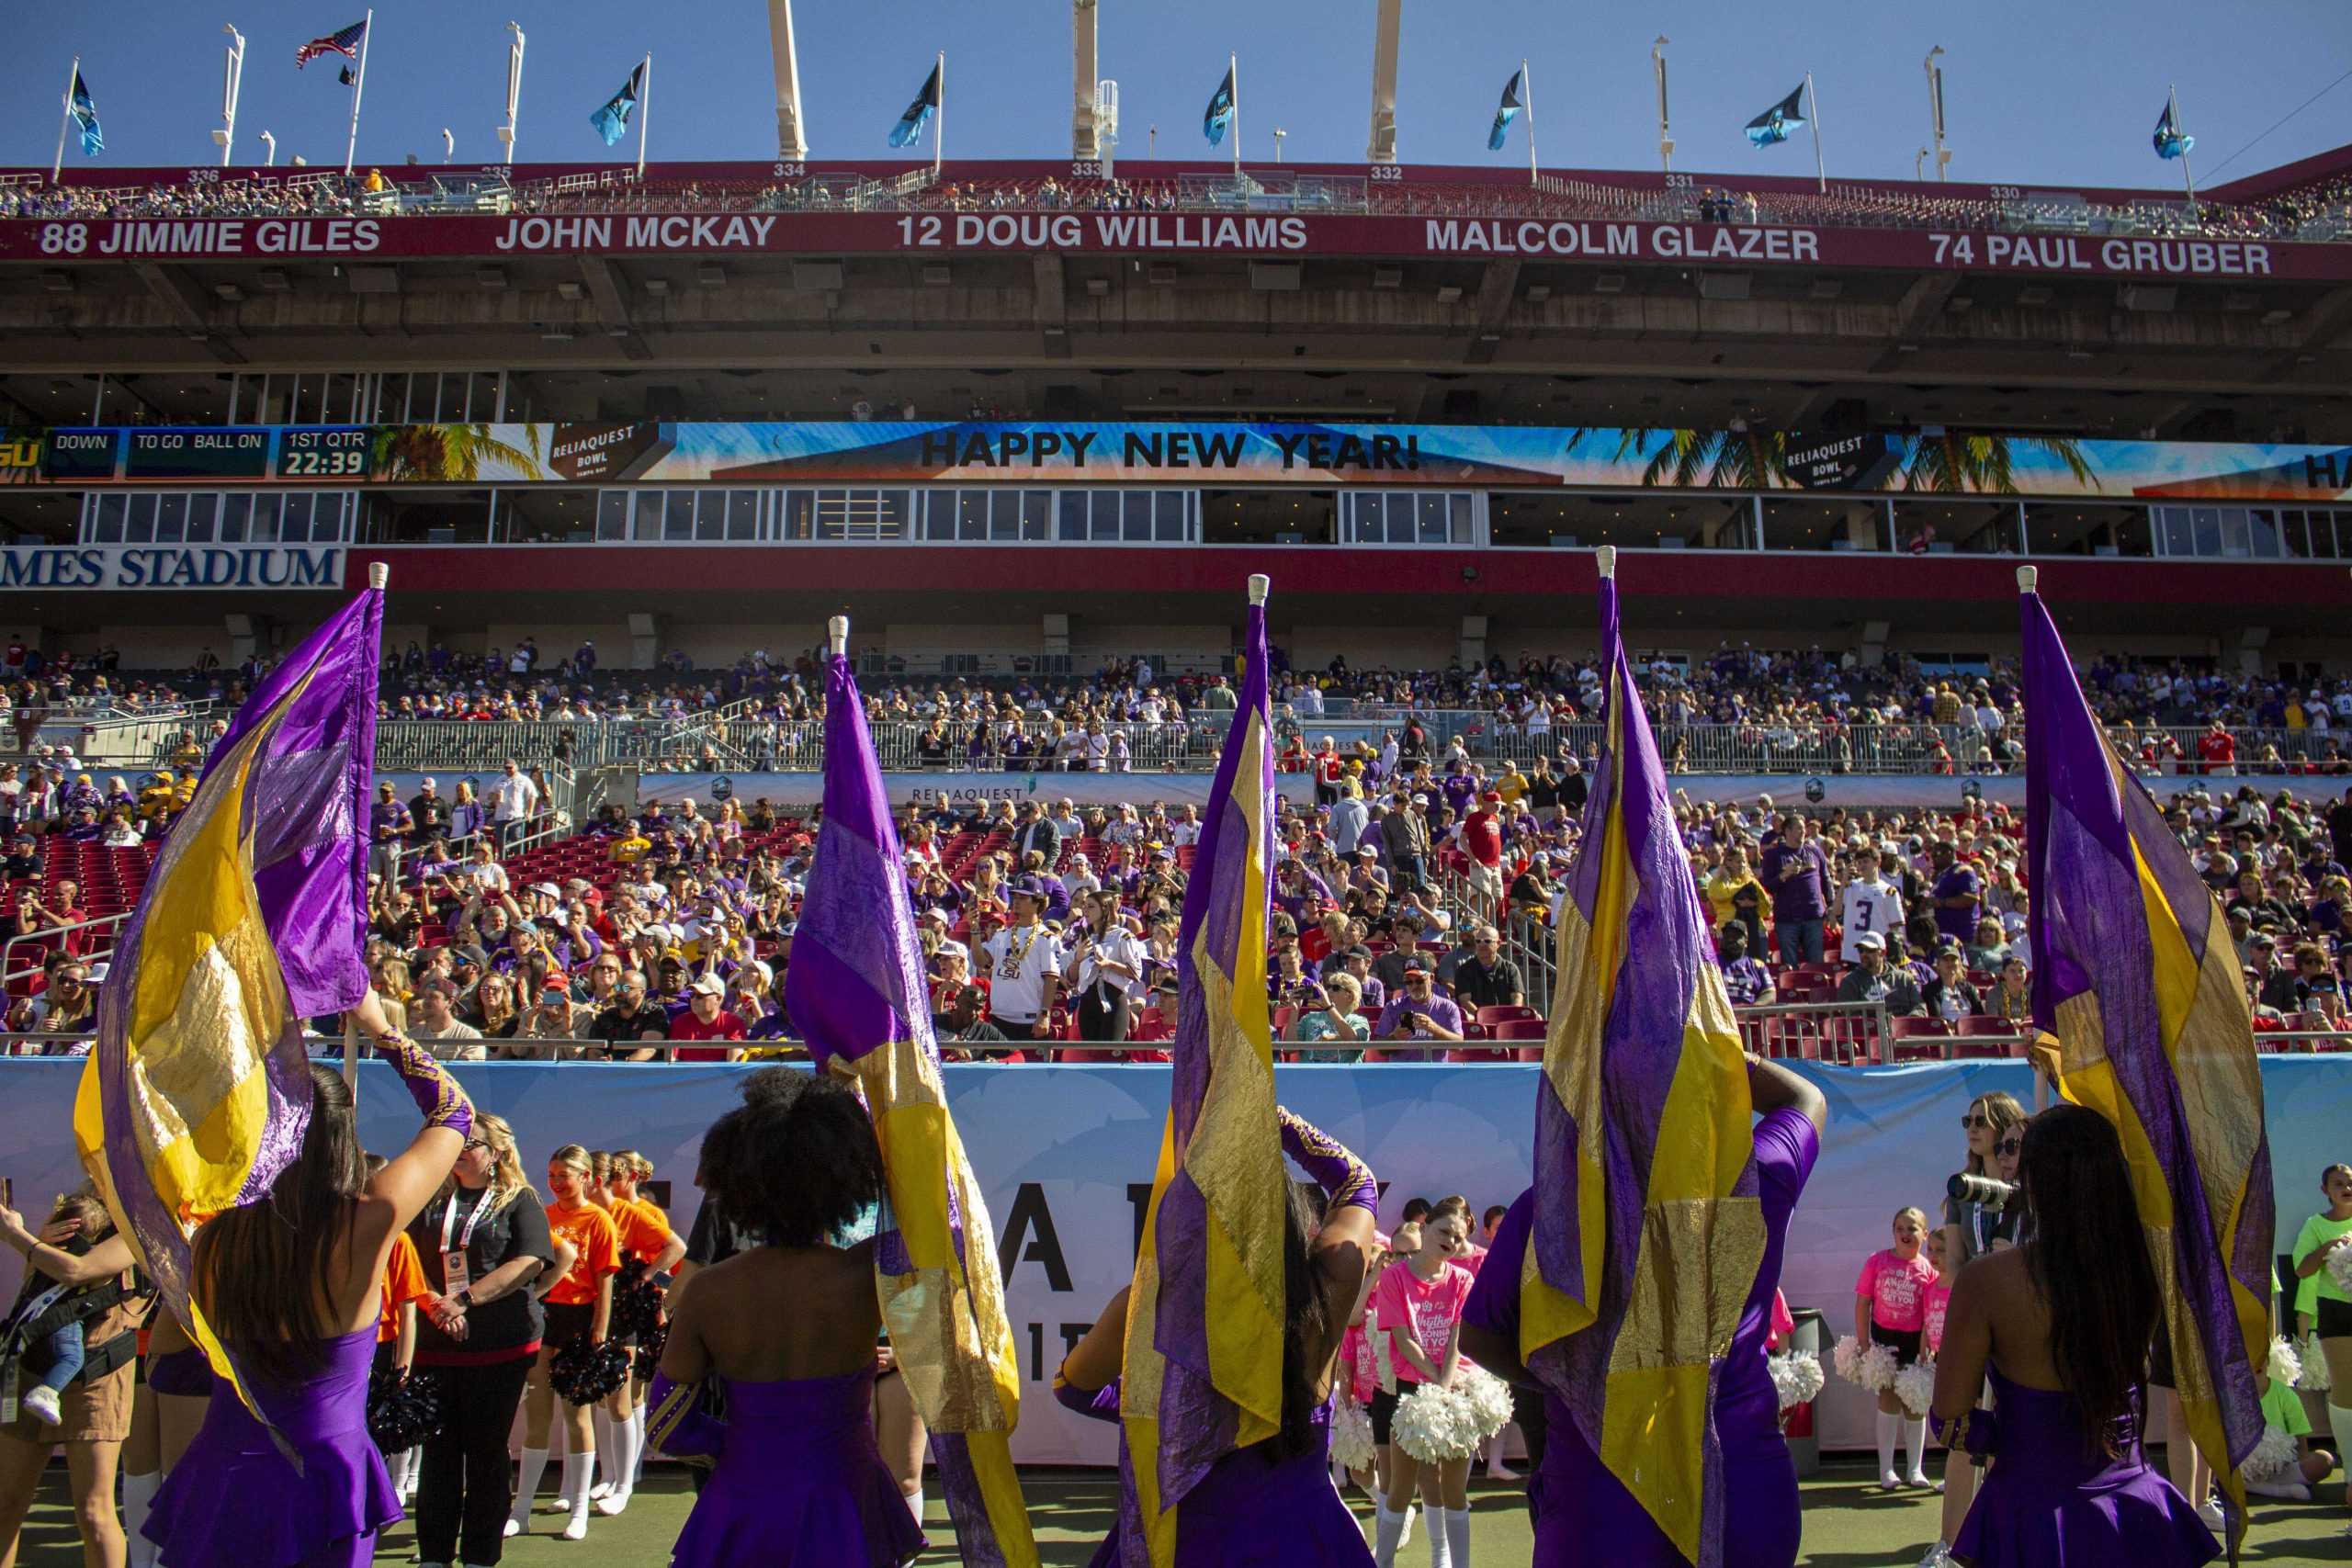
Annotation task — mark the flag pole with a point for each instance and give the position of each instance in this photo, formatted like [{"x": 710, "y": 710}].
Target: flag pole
[
  {"x": 1813, "y": 102},
  {"x": 939, "y": 121},
  {"x": 231, "y": 85},
  {"x": 513, "y": 89},
  {"x": 2172, "y": 106},
  {"x": 1527, "y": 86},
  {"x": 837, "y": 636},
  {"x": 644, "y": 111},
  {"x": 72, "y": 74},
  {"x": 380, "y": 576},
  {"x": 359, "y": 88},
  {"x": 1233, "y": 68}
]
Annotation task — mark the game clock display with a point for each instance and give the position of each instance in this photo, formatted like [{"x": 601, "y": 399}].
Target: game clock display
[{"x": 324, "y": 452}]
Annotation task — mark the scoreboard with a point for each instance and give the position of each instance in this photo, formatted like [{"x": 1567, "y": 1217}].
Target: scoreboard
[{"x": 208, "y": 455}]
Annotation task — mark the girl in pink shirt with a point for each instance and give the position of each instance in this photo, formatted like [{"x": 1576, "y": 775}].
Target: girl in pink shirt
[
  {"x": 1938, "y": 1294},
  {"x": 1891, "y": 1309},
  {"x": 1419, "y": 1301}
]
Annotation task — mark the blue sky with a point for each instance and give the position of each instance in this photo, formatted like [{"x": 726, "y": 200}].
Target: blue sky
[{"x": 2040, "y": 93}]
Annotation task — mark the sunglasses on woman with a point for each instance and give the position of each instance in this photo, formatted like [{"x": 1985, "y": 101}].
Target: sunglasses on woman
[
  {"x": 2009, "y": 1147},
  {"x": 1974, "y": 1120}
]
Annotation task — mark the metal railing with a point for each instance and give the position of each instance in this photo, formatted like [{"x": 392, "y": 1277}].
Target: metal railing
[{"x": 46, "y": 939}]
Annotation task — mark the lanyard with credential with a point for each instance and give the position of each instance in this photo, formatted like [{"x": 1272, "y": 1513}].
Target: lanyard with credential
[{"x": 455, "y": 1275}]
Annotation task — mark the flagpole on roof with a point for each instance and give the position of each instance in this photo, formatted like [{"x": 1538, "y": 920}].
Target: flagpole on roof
[
  {"x": 359, "y": 88},
  {"x": 644, "y": 110},
  {"x": 1232, "y": 71},
  {"x": 1664, "y": 136},
  {"x": 232, "y": 84},
  {"x": 72, "y": 74},
  {"x": 939, "y": 119},
  {"x": 2172, "y": 103},
  {"x": 513, "y": 90},
  {"x": 1813, "y": 102},
  {"x": 1527, "y": 91}
]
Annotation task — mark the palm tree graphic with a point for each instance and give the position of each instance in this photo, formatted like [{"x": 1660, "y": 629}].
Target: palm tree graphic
[
  {"x": 453, "y": 453},
  {"x": 1952, "y": 463}
]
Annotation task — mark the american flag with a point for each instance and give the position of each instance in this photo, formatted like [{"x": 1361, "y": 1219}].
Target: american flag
[{"x": 344, "y": 41}]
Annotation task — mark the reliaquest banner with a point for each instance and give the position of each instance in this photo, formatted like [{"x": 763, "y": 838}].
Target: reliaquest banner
[
  {"x": 1066, "y": 1156},
  {"x": 1258, "y": 454}
]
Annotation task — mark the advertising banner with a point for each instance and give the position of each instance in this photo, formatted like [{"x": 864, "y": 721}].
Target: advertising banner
[
  {"x": 1607, "y": 242},
  {"x": 1066, "y": 1156},
  {"x": 1262, "y": 453},
  {"x": 236, "y": 568}
]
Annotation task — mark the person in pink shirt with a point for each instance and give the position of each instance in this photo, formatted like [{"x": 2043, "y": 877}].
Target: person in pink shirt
[
  {"x": 1938, "y": 1296},
  {"x": 1891, "y": 1309},
  {"x": 1418, "y": 1303}
]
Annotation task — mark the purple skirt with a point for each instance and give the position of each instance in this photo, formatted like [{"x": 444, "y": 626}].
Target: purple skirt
[
  {"x": 2051, "y": 1501},
  {"x": 235, "y": 1501},
  {"x": 800, "y": 1483}
]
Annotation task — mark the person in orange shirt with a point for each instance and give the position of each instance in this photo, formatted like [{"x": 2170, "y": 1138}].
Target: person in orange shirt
[
  {"x": 579, "y": 1305},
  {"x": 404, "y": 1286},
  {"x": 643, "y": 1235}
]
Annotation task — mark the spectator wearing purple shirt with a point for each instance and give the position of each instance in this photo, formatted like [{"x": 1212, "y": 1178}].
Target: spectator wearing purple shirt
[
  {"x": 388, "y": 828},
  {"x": 1419, "y": 1013},
  {"x": 1797, "y": 874},
  {"x": 1958, "y": 894},
  {"x": 1750, "y": 983}
]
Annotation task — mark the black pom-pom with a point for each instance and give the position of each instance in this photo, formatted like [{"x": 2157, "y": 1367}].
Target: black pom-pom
[
  {"x": 402, "y": 1412},
  {"x": 584, "y": 1374},
  {"x": 649, "y": 1350},
  {"x": 637, "y": 1303}
]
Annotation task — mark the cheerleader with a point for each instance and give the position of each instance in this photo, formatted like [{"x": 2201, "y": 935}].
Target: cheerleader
[
  {"x": 647, "y": 1249},
  {"x": 2282, "y": 1413},
  {"x": 2319, "y": 1259},
  {"x": 579, "y": 1308},
  {"x": 1890, "y": 1309},
  {"x": 1420, "y": 1300},
  {"x": 1359, "y": 1376},
  {"x": 404, "y": 1286}
]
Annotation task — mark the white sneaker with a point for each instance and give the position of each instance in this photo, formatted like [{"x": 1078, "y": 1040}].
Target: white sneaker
[
  {"x": 2211, "y": 1512},
  {"x": 1501, "y": 1471},
  {"x": 598, "y": 1493},
  {"x": 1919, "y": 1478},
  {"x": 40, "y": 1402},
  {"x": 514, "y": 1527},
  {"x": 613, "y": 1501},
  {"x": 1937, "y": 1557},
  {"x": 1891, "y": 1481}
]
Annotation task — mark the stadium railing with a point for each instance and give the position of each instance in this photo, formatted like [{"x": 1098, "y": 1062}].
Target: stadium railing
[{"x": 15, "y": 973}]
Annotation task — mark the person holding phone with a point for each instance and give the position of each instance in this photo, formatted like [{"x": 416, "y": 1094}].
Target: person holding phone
[{"x": 1419, "y": 1013}]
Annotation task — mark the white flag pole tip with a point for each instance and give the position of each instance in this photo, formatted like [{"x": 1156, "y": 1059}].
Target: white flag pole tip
[
  {"x": 2027, "y": 577},
  {"x": 1605, "y": 558},
  {"x": 838, "y": 630},
  {"x": 380, "y": 575},
  {"x": 1258, "y": 583}
]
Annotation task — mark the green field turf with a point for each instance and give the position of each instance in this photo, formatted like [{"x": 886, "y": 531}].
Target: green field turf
[{"x": 1848, "y": 1523}]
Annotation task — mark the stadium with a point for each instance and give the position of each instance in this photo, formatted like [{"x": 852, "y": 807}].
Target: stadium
[{"x": 596, "y": 455}]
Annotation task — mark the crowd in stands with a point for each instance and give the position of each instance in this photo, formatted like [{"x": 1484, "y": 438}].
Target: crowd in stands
[{"x": 2319, "y": 208}]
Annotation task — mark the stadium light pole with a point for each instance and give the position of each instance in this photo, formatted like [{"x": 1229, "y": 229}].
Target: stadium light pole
[
  {"x": 1279, "y": 134},
  {"x": 270, "y": 150},
  {"x": 791, "y": 141},
  {"x": 1919, "y": 165},
  {"x": 358, "y": 89},
  {"x": 1387, "y": 27},
  {"x": 513, "y": 89},
  {"x": 232, "y": 78},
  {"x": 1935, "y": 110},
  {"x": 1085, "y": 140},
  {"x": 1665, "y": 131},
  {"x": 449, "y": 145}
]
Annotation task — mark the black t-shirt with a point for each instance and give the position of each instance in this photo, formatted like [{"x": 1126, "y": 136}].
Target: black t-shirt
[
  {"x": 508, "y": 1327},
  {"x": 1574, "y": 789},
  {"x": 1475, "y": 986},
  {"x": 614, "y": 1026},
  {"x": 708, "y": 1241}
]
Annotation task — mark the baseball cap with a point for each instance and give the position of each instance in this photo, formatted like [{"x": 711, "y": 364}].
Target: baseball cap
[
  {"x": 555, "y": 987},
  {"x": 547, "y": 889},
  {"x": 1872, "y": 941},
  {"x": 708, "y": 986},
  {"x": 1495, "y": 796},
  {"x": 1417, "y": 966}
]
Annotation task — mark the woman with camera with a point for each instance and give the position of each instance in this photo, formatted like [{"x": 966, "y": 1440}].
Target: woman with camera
[
  {"x": 2058, "y": 1326},
  {"x": 1978, "y": 1218}
]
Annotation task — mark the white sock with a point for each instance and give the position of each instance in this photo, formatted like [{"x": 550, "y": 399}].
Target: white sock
[
  {"x": 1457, "y": 1537},
  {"x": 914, "y": 1504},
  {"x": 1915, "y": 1439},
  {"x": 577, "y": 1474},
  {"x": 534, "y": 1468},
  {"x": 601, "y": 1424},
  {"x": 2339, "y": 1421},
  {"x": 624, "y": 1458},
  {"x": 1433, "y": 1525},
  {"x": 1887, "y": 1427},
  {"x": 637, "y": 1445},
  {"x": 1388, "y": 1526},
  {"x": 138, "y": 1493}
]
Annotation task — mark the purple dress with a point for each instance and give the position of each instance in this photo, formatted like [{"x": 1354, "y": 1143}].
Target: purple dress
[
  {"x": 234, "y": 1501},
  {"x": 2053, "y": 1500},
  {"x": 1246, "y": 1511},
  {"x": 1583, "y": 1513},
  {"x": 799, "y": 1484}
]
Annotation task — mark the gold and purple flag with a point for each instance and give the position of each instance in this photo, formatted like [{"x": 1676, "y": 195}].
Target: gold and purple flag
[
  {"x": 1647, "y": 1230},
  {"x": 1204, "y": 1365},
  {"x": 856, "y": 992},
  {"x": 197, "y": 1093},
  {"x": 2135, "y": 976}
]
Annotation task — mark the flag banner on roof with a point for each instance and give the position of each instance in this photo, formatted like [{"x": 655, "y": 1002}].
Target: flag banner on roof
[
  {"x": 1508, "y": 110},
  {"x": 2171, "y": 141},
  {"x": 612, "y": 121},
  {"x": 1203, "y": 1367},
  {"x": 344, "y": 41},
  {"x": 1648, "y": 1230},
  {"x": 1779, "y": 123},
  {"x": 2136, "y": 977},
  {"x": 85, "y": 116},
  {"x": 856, "y": 992},
  {"x": 909, "y": 131},
  {"x": 197, "y": 1094},
  {"x": 1220, "y": 112}
]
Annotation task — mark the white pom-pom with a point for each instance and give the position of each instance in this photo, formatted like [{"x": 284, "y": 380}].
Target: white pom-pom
[
  {"x": 1915, "y": 1385},
  {"x": 1490, "y": 1397},
  {"x": 2339, "y": 1269},
  {"x": 1435, "y": 1425},
  {"x": 2316, "y": 1378},
  {"x": 2285, "y": 1366},
  {"x": 1872, "y": 1368},
  {"x": 1352, "y": 1442},
  {"x": 1384, "y": 1365},
  {"x": 1797, "y": 1379},
  {"x": 2277, "y": 1455}
]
